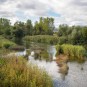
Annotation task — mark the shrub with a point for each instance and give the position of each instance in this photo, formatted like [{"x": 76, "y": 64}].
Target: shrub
[{"x": 7, "y": 45}]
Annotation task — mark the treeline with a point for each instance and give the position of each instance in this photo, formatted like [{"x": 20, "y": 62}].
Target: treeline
[
  {"x": 45, "y": 26},
  {"x": 76, "y": 35},
  {"x": 20, "y": 29}
]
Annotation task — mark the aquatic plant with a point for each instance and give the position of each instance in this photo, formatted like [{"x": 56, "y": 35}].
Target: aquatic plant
[
  {"x": 58, "y": 49},
  {"x": 74, "y": 52}
]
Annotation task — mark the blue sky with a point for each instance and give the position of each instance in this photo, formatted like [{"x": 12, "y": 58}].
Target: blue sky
[
  {"x": 53, "y": 14},
  {"x": 71, "y": 12}
]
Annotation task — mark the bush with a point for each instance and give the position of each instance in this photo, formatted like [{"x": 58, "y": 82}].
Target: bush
[{"x": 7, "y": 45}]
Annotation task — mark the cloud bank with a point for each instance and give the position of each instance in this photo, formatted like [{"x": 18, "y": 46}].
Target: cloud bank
[{"x": 71, "y": 12}]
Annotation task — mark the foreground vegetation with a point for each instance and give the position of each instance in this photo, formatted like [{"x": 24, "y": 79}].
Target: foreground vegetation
[
  {"x": 74, "y": 52},
  {"x": 15, "y": 73}
]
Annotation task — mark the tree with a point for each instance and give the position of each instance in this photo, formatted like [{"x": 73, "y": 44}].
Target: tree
[
  {"x": 28, "y": 28},
  {"x": 5, "y": 27},
  {"x": 63, "y": 30},
  {"x": 18, "y": 32},
  {"x": 84, "y": 34},
  {"x": 45, "y": 26}
]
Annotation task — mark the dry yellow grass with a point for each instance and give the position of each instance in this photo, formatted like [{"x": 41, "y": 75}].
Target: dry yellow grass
[{"x": 15, "y": 73}]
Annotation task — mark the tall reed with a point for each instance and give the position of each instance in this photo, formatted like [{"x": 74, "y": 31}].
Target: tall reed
[{"x": 74, "y": 52}]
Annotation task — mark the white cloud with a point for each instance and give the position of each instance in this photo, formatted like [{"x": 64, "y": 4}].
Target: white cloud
[
  {"x": 71, "y": 11},
  {"x": 8, "y": 9}
]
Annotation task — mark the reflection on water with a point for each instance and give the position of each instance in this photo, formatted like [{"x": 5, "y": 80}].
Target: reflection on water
[
  {"x": 51, "y": 67},
  {"x": 77, "y": 74},
  {"x": 43, "y": 52},
  {"x": 21, "y": 53}
]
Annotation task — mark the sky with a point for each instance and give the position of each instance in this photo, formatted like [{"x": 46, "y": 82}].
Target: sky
[{"x": 71, "y": 12}]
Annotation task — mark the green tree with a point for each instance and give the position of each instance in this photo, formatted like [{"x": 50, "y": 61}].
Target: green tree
[
  {"x": 28, "y": 28},
  {"x": 63, "y": 30},
  {"x": 5, "y": 27},
  {"x": 45, "y": 26},
  {"x": 19, "y": 32},
  {"x": 84, "y": 34}
]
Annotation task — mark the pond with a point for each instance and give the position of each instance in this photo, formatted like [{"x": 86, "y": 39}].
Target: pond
[{"x": 77, "y": 73}]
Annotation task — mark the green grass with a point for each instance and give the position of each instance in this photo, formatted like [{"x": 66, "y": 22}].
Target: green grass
[
  {"x": 5, "y": 43},
  {"x": 14, "y": 72},
  {"x": 74, "y": 52},
  {"x": 7, "y": 46}
]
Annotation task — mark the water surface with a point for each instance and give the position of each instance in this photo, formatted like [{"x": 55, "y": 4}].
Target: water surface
[{"x": 77, "y": 73}]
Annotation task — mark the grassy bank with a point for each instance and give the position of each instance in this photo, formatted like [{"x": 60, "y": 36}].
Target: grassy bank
[
  {"x": 15, "y": 73},
  {"x": 5, "y": 43},
  {"x": 41, "y": 39},
  {"x": 7, "y": 46},
  {"x": 74, "y": 52}
]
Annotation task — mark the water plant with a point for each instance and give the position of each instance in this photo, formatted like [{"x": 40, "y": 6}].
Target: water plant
[{"x": 74, "y": 52}]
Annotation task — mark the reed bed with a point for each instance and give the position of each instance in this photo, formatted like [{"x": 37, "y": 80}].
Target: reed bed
[
  {"x": 42, "y": 39},
  {"x": 74, "y": 52}
]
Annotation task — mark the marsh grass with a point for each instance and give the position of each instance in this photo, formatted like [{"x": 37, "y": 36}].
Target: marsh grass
[
  {"x": 41, "y": 39},
  {"x": 4, "y": 52},
  {"x": 74, "y": 52},
  {"x": 14, "y": 72}
]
